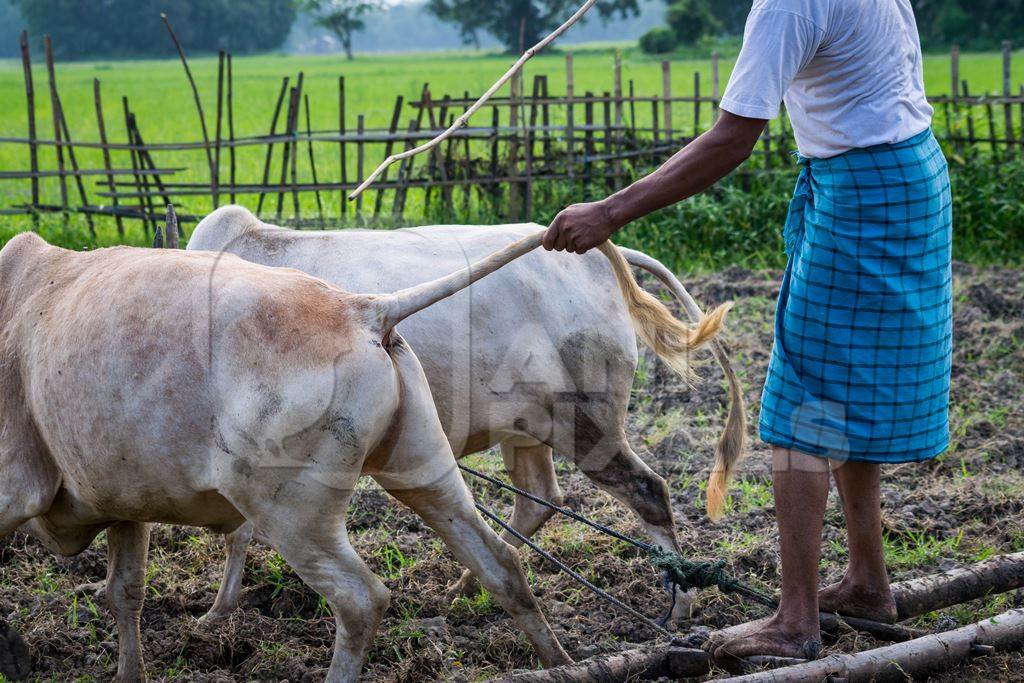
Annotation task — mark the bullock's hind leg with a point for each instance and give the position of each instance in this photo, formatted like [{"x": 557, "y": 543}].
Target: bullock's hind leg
[
  {"x": 237, "y": 545},
  {"x": 127, "y": 553},
  {"x": 419, "y": 469},
  {"x": 530, "y": 467},
  {"x": 303, "y": 520},
  {"x": 446, "y": 505},
  {"x": 592, "y": 433}
]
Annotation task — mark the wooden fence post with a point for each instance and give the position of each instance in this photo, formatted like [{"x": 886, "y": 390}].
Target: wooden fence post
[
  {"x": 666, "y": 87},
  {"x": 588, "y": 137},
  {"x": 570, "y": 122},
  {"x": 715, "y": 92},
  {"x": 514, "y": 189},
  {"x": 609, "y": 150},
  {"x": 342, "y": 157},
  {"x": 56, "y": 113},
  {"x": 296, "y": 206},
  {"x": 215, "y": 177},
  {"x": 199, "y": 106},
  {"x": 133, "y": 154},
  {"x": 289, "y": 129},
  {"x": 388, "y": 146},
  {"x": 30, "y": 100},
  {"x": 696, "y": 104},
  {"x": 102, "y": 127},
  {"x": 954, "y": 68},
  {"x": 1008, "y": 133},
  {"x": 970, "y": 115},
  {"x": 360, "y": 154},
  {"x": 231, "y": 129},
  {"x": 616, "y": 146},
  {"x": 145, "y": 198},
  {"x": 268, "y": 159},
  {"x": 312, "y": 165},
  {"x": 546, "y": 122}
]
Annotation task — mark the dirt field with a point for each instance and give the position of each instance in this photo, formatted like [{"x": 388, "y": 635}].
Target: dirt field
[{"x": 961, "y": 507}]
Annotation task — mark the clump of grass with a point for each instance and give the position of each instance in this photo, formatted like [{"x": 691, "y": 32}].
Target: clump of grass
[{"x": 915, "y": 549}]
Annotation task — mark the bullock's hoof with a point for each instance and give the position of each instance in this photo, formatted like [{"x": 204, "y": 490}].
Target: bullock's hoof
[
  {"x": 97, "y": 589},
  {"x": 466, "y": 587},
  {"x": 685, "y": 606},
  {"x": 213, "y": 617},
  {"x": 15, "y": 661}
]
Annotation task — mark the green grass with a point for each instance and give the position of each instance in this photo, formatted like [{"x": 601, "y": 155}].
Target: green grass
[
  {"x": 737, "y": 222},
  {"x": 915, "y": 549}
]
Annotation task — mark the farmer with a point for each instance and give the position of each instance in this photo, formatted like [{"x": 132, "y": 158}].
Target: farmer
[{"x": 859, "y": 372}]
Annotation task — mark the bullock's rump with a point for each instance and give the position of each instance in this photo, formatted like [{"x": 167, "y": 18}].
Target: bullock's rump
[{"x": 860, "y": 367}]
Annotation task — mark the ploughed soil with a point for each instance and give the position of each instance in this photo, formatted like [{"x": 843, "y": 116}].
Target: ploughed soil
[{"x": 961, "y": 507}]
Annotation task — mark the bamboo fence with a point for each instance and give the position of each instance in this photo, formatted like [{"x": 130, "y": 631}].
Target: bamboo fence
[{"x": 508, "y": 157}]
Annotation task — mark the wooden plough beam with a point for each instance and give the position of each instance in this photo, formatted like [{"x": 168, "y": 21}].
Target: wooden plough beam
[
  {"x": 910, "y": 659},
  {"x": 916, "y": 655}
]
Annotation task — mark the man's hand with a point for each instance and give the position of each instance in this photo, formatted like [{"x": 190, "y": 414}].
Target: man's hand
[
  {"x": 692, "y": 169},
  {"x": 580, "y": 227}
]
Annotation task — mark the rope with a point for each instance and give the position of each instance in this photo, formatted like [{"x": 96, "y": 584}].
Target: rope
[
  {"x": 575, "y": 575},
  {"x": 679, "y": 573}
]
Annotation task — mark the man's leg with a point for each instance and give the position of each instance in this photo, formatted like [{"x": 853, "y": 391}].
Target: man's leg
[
  {"x": 801, "y": 490},
  {"x": 864, "y": 591}
]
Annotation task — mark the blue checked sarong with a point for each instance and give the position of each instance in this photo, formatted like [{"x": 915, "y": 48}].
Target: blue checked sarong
[{"x": 863, "y": 332}]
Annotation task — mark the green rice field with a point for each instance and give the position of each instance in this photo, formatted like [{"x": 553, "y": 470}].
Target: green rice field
[{"x": 159, "y": 94}]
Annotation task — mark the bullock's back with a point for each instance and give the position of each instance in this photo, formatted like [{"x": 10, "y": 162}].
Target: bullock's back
[{"x": 149, "y": 349}]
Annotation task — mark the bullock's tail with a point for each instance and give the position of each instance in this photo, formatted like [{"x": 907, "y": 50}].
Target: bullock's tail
[
  {"x": 654, "y": 323},
  {"x": 731, "y": 443},
  {"x": 671, "y": 339}
]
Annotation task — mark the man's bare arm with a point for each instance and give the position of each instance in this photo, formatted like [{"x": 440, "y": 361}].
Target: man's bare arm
[{"x": 692, "y": 169}]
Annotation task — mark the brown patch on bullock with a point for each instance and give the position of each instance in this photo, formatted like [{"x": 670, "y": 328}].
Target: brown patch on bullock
[{"x": 305, "y": 319}]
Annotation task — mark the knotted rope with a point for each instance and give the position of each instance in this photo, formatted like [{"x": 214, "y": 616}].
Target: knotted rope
[{"x": 678, "y": 573}]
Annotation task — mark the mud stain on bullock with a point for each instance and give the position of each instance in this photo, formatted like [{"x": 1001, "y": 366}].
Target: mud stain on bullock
[
  {"x": 269, "y": 405},
  {"x": 220, "y": 441},
  {"x": 242, "y": 466},
  {"x": 341, "y": 429}
]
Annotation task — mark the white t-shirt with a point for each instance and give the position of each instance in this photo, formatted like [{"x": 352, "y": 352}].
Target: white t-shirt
[{"x": 849, "y": 71}]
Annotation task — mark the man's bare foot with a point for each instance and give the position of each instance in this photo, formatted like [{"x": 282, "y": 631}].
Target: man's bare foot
[
  {"x": 775, "y": 639},
  {"x": 844, "y": 598},
  {"x": 718, "y": 638}
]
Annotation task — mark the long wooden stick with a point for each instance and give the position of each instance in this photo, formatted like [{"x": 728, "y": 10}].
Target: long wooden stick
[
  {"x": 910, "y": 659},
  {"x": 998, "y": 574},
  {"x": 461, "y": 121}
]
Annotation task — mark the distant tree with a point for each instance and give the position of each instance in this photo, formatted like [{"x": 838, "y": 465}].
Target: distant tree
[
  {"x": 974, "y": 24},
  {"x": 132, "y": 28},
  {"x": 731, "y": 13},
  {"x": 10, "y": 26},
  {"x": 658, "y": 40},
  {"x": 517, "y": 23},
  {"x": 343, "y": 18},
  {"x": 691, "y": 20}
]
